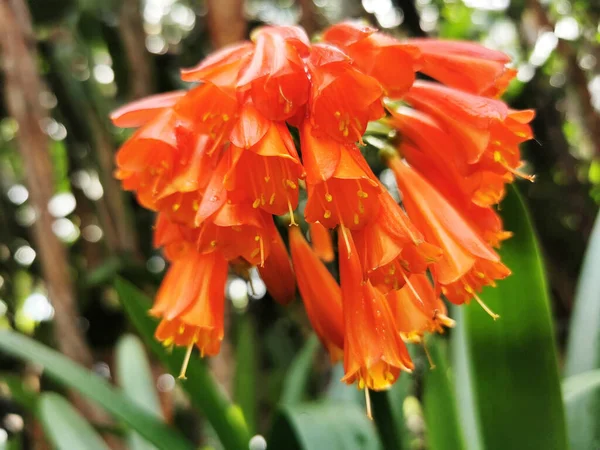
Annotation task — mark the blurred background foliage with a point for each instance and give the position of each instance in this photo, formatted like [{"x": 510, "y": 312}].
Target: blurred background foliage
[{"x": 94, "y": 55}]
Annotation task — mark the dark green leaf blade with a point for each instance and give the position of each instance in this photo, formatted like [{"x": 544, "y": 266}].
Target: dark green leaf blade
[
  {"x": 513, "y": 360},
  {"x": 463, "y": 381},
  {"x": 245, "y": 385},
  {"x": 444, "y": 430},
  {"x": 66, "y": 372},
  {"x": 328, "y": 426},
  {"x": 297, "y": 377},
  {"x": 226, "y": 418},
  {"x": 65, "y": 427}
]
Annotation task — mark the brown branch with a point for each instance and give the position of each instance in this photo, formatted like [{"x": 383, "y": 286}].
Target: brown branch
[
  {"x": 309, "y": 20},
  {"x": 576, "y": 75},
  {"x": 90, "y": 126},
  {"x": 131, "y": 29},
  {"x": 226, "y": 22},
  {"x": 22, "y": 90}
]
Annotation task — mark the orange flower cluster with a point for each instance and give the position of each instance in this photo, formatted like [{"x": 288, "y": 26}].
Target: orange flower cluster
[{"x": 217, "y": 162}]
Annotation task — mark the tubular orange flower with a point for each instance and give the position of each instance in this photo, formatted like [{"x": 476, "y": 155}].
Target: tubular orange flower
[
  {"x": 150, "y": 159},
  {"x": 343, "y": 117},
  {"x": 374, "y": 354},
  {"x": 468, "y": 262},
  {"x": 219, "y": 160},
  {"x": 237, "y": 231},
  {"x": 487, "y": 130},
  {"x": 176, "y": 239},
  {"x": 465, "y": 65},
  {"x": 320, "y": 293},
  {"x": 269, "y": 172},
  {"x": 341, "y": 187},
  {"x": 222, "y": 67},
  {"x": 389, "y": 61},
  {"x": 138, "y": 113},
  {"x": 217, "y": 116},
  {"x": 277, "y": 272},
  {"x": 320, "y": 238},
  {"x": 276, "y": 74},
  {"x": 432, "y": 152},
  {"x": 190, "y": 302},
  {"x": 418, "y": 309},
  {"x": 390, "y": 248}
]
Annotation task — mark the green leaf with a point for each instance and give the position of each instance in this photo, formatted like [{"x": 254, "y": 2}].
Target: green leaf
[
  {"x": 135, "y": 377},
  {"x": 298, "y": 375},
  {"x": 583, "y": 342},
  {"x": 463, "y": 381},
  {"x": 583, "y": 347},
  {"x": 65, "y": 428},
  {"x": 578, "y": 386},
  {"x": 323, "y": 426},
  {"x": 581, "y": 393},
  {"x": 226, "y": 419},
  {"x": 512, "y": 360},
  {"x": 389, "y": 425},
  {"x": 441, "y": 414},
  {"x": 244, "y": 388},
  {"x": 20, "y": 392},
  {"x": 71, "y": 375}
]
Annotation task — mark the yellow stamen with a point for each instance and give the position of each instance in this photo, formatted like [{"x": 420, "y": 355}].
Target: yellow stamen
[
  {"x": 431, "y": 363},
  {"x": 412, "y": 288},
  {"x": 486, "y": 308},
  {"x": 291, "y": 210},
  {"x": 343, "y": 228},
  {"x": 186, "y": 360},
  {"x": 368, "y": 403},
  {"x": 262, "y": 253}
]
